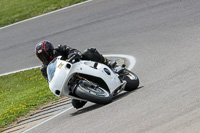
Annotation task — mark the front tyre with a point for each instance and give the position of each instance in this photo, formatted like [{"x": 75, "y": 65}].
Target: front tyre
[
  {"x": 93, "y": 94},
  {"x": 131, "y": 79}
]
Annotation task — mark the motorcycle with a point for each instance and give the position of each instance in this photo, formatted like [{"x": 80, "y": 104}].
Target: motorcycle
[{"x": 89, "y": 81}]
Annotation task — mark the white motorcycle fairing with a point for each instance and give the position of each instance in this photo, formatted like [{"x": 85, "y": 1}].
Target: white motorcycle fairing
[{"x": 60, "y": 73}]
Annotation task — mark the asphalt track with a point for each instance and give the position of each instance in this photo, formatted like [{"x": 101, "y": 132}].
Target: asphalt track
[{"x": 163, "y": 36}]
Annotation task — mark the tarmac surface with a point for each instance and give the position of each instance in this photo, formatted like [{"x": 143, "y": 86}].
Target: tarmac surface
[{"x": 163, "y": 36}]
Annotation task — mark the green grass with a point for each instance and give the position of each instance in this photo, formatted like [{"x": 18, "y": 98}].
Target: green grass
[
  {"x": 22, "y": 92},
  {"x": 12, "y": 11}
]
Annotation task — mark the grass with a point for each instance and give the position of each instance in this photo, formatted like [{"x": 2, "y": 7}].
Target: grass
[
  {"x": 12, "y": 11},
  {"x": 22, "y": 92}
]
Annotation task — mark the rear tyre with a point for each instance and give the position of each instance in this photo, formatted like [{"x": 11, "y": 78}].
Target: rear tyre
[
  {"x": 132, "y": 80},
  {"x": 96, "y": 95}
]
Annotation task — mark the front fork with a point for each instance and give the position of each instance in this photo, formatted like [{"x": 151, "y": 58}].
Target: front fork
[{"x": 120, "y": 88}]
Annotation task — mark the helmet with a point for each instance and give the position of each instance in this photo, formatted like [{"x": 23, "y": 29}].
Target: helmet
[{"x": 45, "y": 52}]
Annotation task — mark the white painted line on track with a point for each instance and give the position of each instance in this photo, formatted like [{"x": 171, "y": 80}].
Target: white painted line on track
[
  {"x": 19, "y": 70},
  {"x": 46, "y": 14},
  {"x": 47, "y": 120},
  {"x": 131, "y": 59}
]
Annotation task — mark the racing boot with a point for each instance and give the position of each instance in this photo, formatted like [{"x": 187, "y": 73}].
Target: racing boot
[
  {"x": 110, "y": 63},
  {"x": 78, "y": 104}
]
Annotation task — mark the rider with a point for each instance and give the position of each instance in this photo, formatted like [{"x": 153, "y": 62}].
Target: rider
[{"x": 46, "y": 53}]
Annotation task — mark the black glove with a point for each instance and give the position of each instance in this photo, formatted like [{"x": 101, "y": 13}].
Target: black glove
[
  {"x": 62, "y": 49},
  {"x": 76, "y": 53}
]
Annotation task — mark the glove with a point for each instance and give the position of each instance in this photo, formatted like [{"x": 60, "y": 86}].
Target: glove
[
  {"x": 78, "y": 55},
  {"x": 61, "y": 49}
]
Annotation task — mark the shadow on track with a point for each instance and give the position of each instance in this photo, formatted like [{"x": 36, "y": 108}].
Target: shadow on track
[
  {"x": 96, "y": 106},
  {"x": 87, "y": 109}
]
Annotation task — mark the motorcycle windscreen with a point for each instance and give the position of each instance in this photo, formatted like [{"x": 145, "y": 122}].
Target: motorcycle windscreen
[{"x": 51, "y": 68}]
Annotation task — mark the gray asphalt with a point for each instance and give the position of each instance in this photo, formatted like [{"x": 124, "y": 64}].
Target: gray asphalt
[{"x": 163, "y": 35}]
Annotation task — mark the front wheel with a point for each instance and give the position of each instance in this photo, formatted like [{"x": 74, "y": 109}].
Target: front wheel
[
  {"x": 93, "y": 94},
  {"x": 131, "y": 79}
]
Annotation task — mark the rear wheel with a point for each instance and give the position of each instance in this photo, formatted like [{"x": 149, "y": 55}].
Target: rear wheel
[
  {"x": 132, "y": 80},
  {"x": 92, "y": 93}
]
